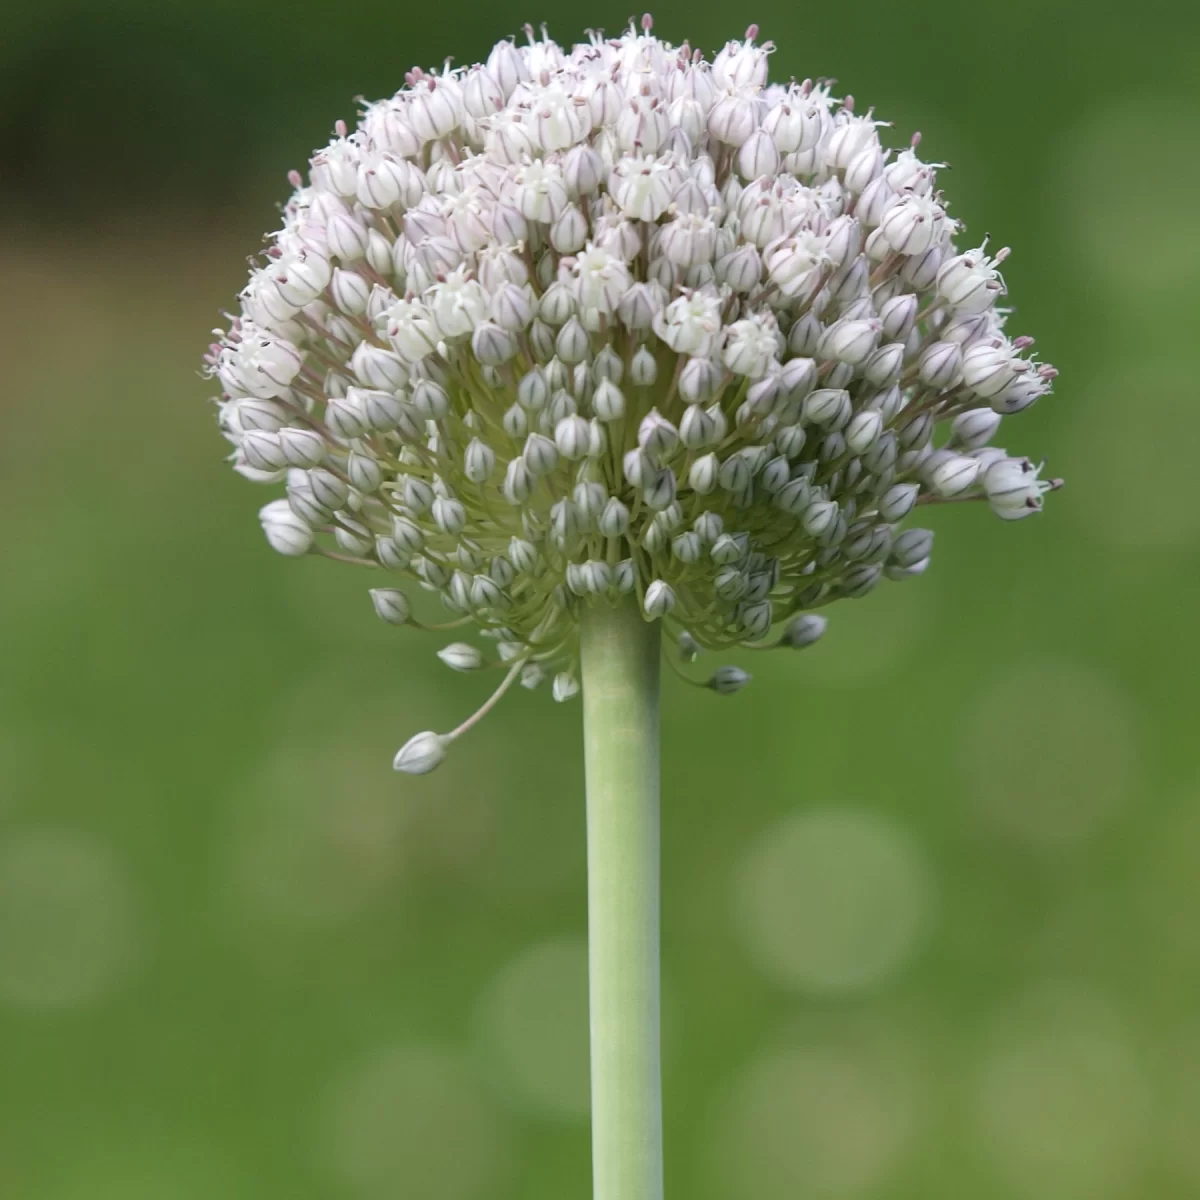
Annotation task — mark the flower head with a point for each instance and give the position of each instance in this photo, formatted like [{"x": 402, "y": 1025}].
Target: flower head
[{"x": 611, "y": 319}]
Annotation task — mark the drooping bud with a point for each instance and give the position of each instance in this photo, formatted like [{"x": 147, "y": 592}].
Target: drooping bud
[
  {"x": 421, "y": 754},
  {"x": 391, "y": 605},
  {"x": 727, "y": 680}
]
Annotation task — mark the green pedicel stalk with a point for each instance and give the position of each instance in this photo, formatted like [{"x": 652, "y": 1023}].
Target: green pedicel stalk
[{"x": 620, "y": 666}]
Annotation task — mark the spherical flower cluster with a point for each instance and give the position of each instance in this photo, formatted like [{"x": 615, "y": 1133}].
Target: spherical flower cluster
[{"x": 573, "y": 324}]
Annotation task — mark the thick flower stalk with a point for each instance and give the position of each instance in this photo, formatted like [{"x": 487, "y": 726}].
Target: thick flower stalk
[{"x": 615, "y": 321}]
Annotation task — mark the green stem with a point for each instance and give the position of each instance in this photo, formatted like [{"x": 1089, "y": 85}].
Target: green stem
[{"x": 619, "y": 654}]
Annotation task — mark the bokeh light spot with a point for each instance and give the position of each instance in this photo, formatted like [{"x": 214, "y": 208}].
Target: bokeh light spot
[
  {"x": 1062, "y": 1104},
  {"x": 1116, "y": 237},
  {"x": 832, "y": 900},
  {"x": 1169, "y": 893},
  {"x": 126, "y": 1164},
  {"x": 69, "y": 921},
  {"x": 412, "y": 1120},
  {"x": 1048, "y": 752},
  {"x": 1181, "y": 1108},
  {"x": 815, "y": 1122},
  {"x": 1157, "y": 506},
  {"x": 533, "y": 1023},
  {"x": 871, "y": 636},
  {"x": 316, "y": 832}
]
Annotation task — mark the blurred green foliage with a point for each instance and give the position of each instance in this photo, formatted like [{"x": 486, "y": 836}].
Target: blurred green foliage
[{"x": 931, "y": 887}]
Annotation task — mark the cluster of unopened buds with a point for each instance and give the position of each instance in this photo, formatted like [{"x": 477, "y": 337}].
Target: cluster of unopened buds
[{"x": 578, "y": 323}]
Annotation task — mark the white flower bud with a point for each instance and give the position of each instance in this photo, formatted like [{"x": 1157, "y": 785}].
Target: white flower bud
[
  {"x": 364, "y": 473},
  {"x": 461, "y": 656},
  {"x": 639, "y": 306},
  {"x": 486, "y": 596},
  {"x": 572, "y": 436},
  {"x": 775, "y": 475},
  {"x": 656, "y": 435},
  {"x": 449, "y": 515},
  {"x": 507, "y": 67},
  {"x": 614, "y": 520},
  {"x": 607, "y": 402},
  {"x": 421, "y": 754},
  {"x": 583, "y": 171},
  {"x": 730, "y": 583},
  {"x": 727, "y": 680},
  {"x": 740, "y": 269},
  {"x": 732, "y": 119},
  {"x": 518, "y": 482},
  {"x": 974, "y": 428},
  {"x": 540, "y": 455},
  {"x": 850, "y": 341},
  {"x": 794, "y": 496},
  {"x": 897, "y": 502},
  {"x": 952, "y": 474},
  {"x": 572, "y": 344},
  {"x": 703, "y": 473},
  {"x": 893, "y": 572},
  {"x": 803, "y": 631},
  {"x": 636, "y": 467},
  {"x": 385, "y": 410},
  {"x": 492, "y": 345},
  {"x": 874, "y": 202},
  {"x": 827, "y": 406},
  {"x": 430, "y": 399},
  {"x": 921, "y": 270},
  {"x": 391, "y": 605},
  {"x": 819, "y": 516},
  {"x": 660, "y": 488},
  {"x": 911, "y": 547},
  {"x": 659, "y": 600},
  {"x": 850, "y": 136},
  {"x": 758, "y": 156},
  {"x": 884, "y": 366},
  {"x": 701, "y": 378},
  {"x": 863, "y": 431},
  {"x": 350, "y": 292},
  {"x": 940, "y": 365},
  {"x": 569, "y": 231},
  {"x": 390, "y": 555},
  {"x": 864, "y": 168},
  {"x": 898, "y": 316},
  {"x": 523, "y": 555},
  {"x": 515, "y": 422},
  {"x": 860, "y": 580},
  {"x": 479, "y": 461},
  {"x": 916, "y": 431},
  {"x": 264, "y": 451},
  {"x": 728, "y": 549},
  {"x": 286, "y": 532}
]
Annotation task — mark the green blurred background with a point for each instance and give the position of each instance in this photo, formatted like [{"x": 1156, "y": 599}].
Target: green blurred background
[{"x": 930, "y": 887}]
